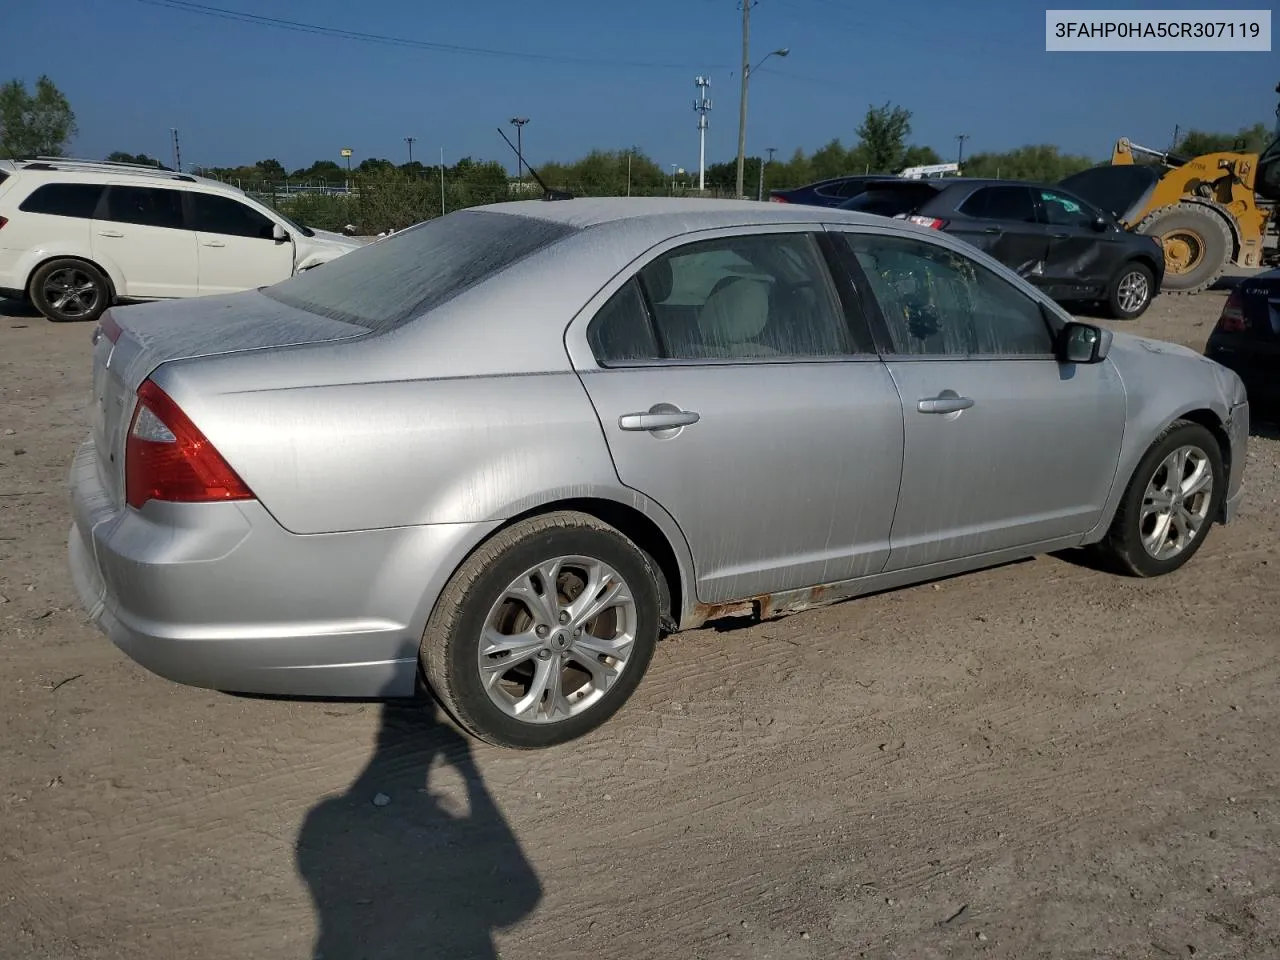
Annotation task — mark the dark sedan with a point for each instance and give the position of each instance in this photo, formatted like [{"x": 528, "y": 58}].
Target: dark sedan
[
  {"x": 1059, "y": 242},
  {"x": 829, "y": 193},
  {"x": 1247, "y": 337}
]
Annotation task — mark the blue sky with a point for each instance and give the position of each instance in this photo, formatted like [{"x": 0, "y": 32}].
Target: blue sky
[{"x": 239, "y": 92}]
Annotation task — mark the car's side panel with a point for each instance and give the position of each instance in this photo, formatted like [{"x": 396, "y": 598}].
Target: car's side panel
[
  {"x": 788, "y": 479},
  {"x": 1161, "y": 386},
  {"x": 358, "y": 456},
  {"x": 1032, "y": 459}
]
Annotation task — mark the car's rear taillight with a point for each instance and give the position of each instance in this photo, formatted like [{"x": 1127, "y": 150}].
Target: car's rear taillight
[
  {"x": 1232, "y": 319},
  {"x": 167, "y": 458},
  {"x": 110, "y": 329},
  {"x": 779, "y": 200},
  {"x": 933, "y": 223},
  {"x": 3, "y": 221}
]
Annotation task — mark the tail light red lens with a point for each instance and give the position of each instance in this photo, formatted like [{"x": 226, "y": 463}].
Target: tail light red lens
[
  {"x": 933, "y": 223},
  {"x": 779, "y": 200},
  {"x": 168, "y": 458},
  {"x": 1232, "y": 319},
  {"x": 3, "y": 221},
  {"x": 110, "y": 329}
]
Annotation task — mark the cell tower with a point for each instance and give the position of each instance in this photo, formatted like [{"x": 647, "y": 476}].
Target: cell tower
[{"x": 702, "y": 106}]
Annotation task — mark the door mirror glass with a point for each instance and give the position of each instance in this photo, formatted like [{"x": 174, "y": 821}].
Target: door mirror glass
[
  {"x": 1083, "y": 343},
  {"x": 279, "y": 233}
]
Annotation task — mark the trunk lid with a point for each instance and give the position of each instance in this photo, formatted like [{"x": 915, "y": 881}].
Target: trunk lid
[
  {"x": 1260, "y": 304},
  {"x": 131, "y": 342}
]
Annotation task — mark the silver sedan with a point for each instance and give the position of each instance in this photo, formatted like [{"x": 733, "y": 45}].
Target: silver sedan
[{"x": 504, "y": 451}]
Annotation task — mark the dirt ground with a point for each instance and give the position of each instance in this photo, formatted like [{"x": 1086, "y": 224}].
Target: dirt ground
[{"x": 1035, "y": 761}]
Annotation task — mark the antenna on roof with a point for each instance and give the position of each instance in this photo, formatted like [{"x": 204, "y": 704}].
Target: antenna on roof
[{"x": 547, "y": 192}]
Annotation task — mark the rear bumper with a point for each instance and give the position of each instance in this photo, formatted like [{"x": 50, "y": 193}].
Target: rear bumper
[{"x": 221, "y": 596}]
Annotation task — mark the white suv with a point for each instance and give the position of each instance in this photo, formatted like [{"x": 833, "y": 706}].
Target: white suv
[{"x": 77, "y": 236}]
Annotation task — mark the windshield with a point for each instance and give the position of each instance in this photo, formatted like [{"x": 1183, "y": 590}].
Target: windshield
[
  {"x": 1116, "y": 189},
  {"x": 387, "y": 283},
  {"x": 304, "y": 230}
]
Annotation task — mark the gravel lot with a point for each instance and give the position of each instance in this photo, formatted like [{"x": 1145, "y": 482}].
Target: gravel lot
[{"x": 1039, "y": 760}]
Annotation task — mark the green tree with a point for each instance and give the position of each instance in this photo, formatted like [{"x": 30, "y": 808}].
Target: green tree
[
  {"x": 1042, "y": 163},
  {"x": 1247, "y": 140},
  {"x": 118, "y": 156},
  {"x": 38, "y": 124},
  {"x": 882, "y": 139},
  {"x": 270, "y": 170}
]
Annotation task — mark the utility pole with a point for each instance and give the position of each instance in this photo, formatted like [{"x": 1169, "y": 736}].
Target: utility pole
[
  {"x": 518, "y": 123},
  {"x": 177, "y": 150},
  {"x": 409, "y": 141},
  {"x": 760, "y": 189},
  {"x": 742, "y": 101},
  {"x": 960, "y": 139},
  {"x": 702, "y": 106}
]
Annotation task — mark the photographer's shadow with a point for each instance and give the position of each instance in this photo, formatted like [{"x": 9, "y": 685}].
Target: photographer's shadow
[{"x": 419, "y": 874}]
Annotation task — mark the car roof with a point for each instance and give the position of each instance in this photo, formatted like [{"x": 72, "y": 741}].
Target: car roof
[
  {"x": 664, "y": 212},
  {"x": 97, "y": 170}
]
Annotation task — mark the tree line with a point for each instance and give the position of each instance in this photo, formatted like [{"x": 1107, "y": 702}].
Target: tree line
[{"x": 41, "y": 122}]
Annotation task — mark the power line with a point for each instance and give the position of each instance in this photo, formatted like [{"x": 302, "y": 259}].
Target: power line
[{"x": 341, "y": 33}]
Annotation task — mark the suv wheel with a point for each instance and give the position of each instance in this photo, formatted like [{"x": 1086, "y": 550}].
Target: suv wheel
[
  {"x": 544, "y": 632},
  {"x": 1131, "y": 291},
  {"x": 70, "y": 290}
]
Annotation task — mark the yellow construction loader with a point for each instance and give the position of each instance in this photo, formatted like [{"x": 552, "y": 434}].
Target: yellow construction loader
[{"x": 1207, "y": 211}]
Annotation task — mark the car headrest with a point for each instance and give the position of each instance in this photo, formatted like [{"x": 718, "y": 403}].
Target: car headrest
[
  {"x": 659, "y": 280},
  {"x": 736, "y": 311}
]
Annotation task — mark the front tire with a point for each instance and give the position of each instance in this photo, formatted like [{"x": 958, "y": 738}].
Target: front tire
[
  {"x": 544, "y": 632},
  {"x": 1171, "y": 501},
  {"x": 69, "y": 291},
  {"x": 1131, "y": 291}
]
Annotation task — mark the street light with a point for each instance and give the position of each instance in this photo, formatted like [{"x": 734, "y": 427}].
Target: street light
[
  {"x": 742, "y": 109},
  {"x": 518, "y": 123}
]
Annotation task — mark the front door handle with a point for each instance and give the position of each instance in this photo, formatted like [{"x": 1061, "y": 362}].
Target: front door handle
[
  {"x": 991, "y": 230},
  {"x": 213, "y": 243},
  {"x": 1061, "y": 236},
  {"x": 944, "y": 404},
  {"x": 657, "y": 420},
  {"x": 110, "y": 233}
]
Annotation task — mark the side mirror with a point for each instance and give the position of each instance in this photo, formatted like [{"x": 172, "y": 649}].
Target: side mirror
[
  {"x": 279, "y": 234},
  {"x": 1083, "y": 343},
  {"x": 1100, "y": 224}
]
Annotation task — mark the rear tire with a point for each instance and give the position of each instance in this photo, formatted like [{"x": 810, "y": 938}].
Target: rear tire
[
  {"x": 1131, "y": 291},
  {"x": 67, "y": 290},
  {"x": 1170, "y": 480},
  {"x": 1194, "y": 235},
  {"x": 518, "y": 671}
]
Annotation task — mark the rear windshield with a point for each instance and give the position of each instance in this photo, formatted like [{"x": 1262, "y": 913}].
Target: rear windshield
[
  {"x": 891, "y": 199},
  {"x": 1115, "y": 189},
  {"x": 390, "y": 281}
]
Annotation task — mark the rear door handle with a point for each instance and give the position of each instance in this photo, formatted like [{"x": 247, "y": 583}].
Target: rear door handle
[
  {"x": 991, "y": 230},
  {"x": 663, "y": 420},
  {"x": 944, "y": 404},
  {"x": 110, "y": 233},
  {"x": 1061, "y": 236},
  {"x": 213, "y": 243}
]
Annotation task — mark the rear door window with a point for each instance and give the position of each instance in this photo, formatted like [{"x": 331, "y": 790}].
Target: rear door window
[
  {"x": 145, "y": 206},
  {"x": 391, "y": 281},
  {"x": 1008, "y": 203},
  {"x": 64, "y": 200}
]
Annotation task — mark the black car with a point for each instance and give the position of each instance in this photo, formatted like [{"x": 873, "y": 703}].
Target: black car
[
  {"x": 1059, "y": 242},
  {"x": 1247, "y": 338},
  {"x": 828, "y": 193}
]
